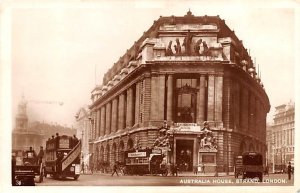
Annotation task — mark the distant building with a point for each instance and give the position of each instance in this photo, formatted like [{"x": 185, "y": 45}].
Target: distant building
[
  {"x": 281, "y": 135},
  {"x": 22, "y": 136},
  {"x": 185, "y": 70},
  {"x": 83, "y": 127}
]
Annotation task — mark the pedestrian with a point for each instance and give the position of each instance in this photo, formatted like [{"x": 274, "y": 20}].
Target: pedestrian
[
  {"x": 289, "y": 170},
  {"x": 82, "y": 167},
  {"x": 195, "y": 170},
  {"x": 40, "y": 155},
  {"x": 203, "y": 169},
  {"x": 176, "y": 170},
  {"x": 75, "y": 141},
  {"x": 267, "y": 170},
  {"x": 115, "y": 170},
  {"x": 57, "y": 140}
]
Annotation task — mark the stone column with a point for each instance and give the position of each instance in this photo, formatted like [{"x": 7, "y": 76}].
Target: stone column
[
  {"x": 129, "y": 110},
  {"x": 211, "y": 98},
  {"x": 256, "y": 119},
  {"x": 108, "y": 118},
  {"x": 146, "y": 108},
  {"x": 121, "y": 111},
  {"x": 114, "y": 115},
  {"x": 154, "y": 98},
  {"x": 244, "y": 109},
  {"x": 95, "y": 117},
  {"x": 201, "y": 100},
  {"x": 237, "y": 106},
  {"x": 251, "y": 112},
  {"x": 137, "y": 103},
  {"x": 170, "y": 99},
  {"x": 97, "y": 121},
  {"x": 219, "y": 98},
  {"x": 161, "y": 96},
  {"x": 102, "y": 122}
]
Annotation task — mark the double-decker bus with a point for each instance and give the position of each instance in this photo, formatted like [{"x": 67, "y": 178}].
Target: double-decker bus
[{"x": 62, "y": 157}]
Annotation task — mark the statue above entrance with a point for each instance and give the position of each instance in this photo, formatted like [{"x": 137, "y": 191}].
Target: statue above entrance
[
  {"x": 207, "y": 140},
  {"x": 163, "y": 136}
]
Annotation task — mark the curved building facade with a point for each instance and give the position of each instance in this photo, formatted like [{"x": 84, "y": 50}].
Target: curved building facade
[{"x": 185, "y": 70}]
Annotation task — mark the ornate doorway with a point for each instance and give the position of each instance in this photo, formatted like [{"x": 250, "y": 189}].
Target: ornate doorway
[{"x": 184, "y": 154}]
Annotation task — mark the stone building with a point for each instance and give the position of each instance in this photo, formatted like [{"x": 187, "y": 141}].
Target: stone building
[
  {"x": 281, "y": 140},
  {"x": 83, "y": 131},
  {"x": 24, "y": 137},
  {"x": 185, "y": 70}
]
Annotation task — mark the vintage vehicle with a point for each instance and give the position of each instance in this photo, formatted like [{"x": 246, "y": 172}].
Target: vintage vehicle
[
  {"x": 25, "y": 167},
  {"x": 145, "y": 161},
  {"x": 252, "y": 165},
  {"x": 238, "y": 167},
  {"x": 63, "y": 157}
]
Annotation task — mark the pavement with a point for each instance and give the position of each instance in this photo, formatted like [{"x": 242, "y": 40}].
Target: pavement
[{"x": 182, "y": 174}]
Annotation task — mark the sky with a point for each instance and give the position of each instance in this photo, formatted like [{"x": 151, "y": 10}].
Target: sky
[{"x": 60, "y": 51}]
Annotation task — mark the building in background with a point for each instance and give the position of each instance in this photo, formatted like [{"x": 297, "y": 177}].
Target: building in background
[
  {"x": 24, "y": 137},
  {"x": 83, "y": 127},
  {"x": 34, "y": 134},
  {"x": 185, "y": 70},
  {"x": 281, "y": 137}
]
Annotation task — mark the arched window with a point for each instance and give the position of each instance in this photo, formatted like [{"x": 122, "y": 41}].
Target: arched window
[
  {"x": 251, "y": 147},
  {"x": 242, "y": 148},
  {"x": 107, "y": 154},
  {"x": 186, "y": 100},
  {"x": 114, "y": 153},
  {"x": 121, "y": 152},
  {"x": 101, "y": 154},
  {"x": 130, "y": 143}
]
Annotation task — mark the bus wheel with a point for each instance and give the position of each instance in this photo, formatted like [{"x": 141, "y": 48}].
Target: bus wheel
[{"x": 76, "y": 177}]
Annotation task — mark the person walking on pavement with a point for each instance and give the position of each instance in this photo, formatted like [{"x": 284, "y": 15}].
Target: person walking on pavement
[
  {"x": 195, "y": 170},
  {"x": 175, "y": 170},
  {"x": 40, "y": 155},
  {"x": 115, "y": 170},
  {"x": 289, "y": 170}
]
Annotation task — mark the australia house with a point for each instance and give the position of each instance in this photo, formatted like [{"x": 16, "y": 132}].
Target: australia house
[{"x": 187, "y": 71}]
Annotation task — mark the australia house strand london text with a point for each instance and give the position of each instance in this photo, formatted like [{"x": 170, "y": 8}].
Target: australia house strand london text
[{"x": 185, "y": 70}]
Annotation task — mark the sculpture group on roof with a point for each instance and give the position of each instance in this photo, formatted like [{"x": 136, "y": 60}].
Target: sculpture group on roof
[{"x": 190, "y": 48}]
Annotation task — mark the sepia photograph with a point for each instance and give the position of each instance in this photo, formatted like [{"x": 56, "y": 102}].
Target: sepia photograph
[{"x": 159, "y": 95}]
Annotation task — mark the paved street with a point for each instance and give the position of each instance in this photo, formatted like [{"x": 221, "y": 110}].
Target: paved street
[{"x": 107, "y": 180}]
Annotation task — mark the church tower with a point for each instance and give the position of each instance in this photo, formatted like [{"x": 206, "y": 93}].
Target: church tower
[{"x": 21, "y": 118}]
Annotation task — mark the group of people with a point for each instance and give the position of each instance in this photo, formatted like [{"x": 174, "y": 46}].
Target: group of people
[{"x": 73, "y": 140}]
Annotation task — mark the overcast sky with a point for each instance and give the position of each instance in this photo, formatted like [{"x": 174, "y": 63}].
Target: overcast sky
[{"x": 56, "y": 47}]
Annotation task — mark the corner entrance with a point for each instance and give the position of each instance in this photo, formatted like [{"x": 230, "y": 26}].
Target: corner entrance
[{"x": 184, "y": 154}]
